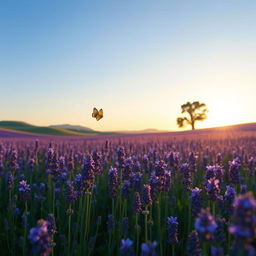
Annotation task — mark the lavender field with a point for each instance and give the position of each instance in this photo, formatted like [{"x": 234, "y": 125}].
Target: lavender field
[{"x": 157, "y": 194}]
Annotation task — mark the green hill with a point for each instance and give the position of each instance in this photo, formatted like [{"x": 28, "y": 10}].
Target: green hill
[{"x": 24, "y": 127}]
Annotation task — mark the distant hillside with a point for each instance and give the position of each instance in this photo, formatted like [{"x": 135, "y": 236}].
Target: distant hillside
[
  {"x": 24, "y": 127},
  {"x": 143, "y": 131},
  {"x": 72, "y": 127},
  {"x": 75, "y": 128}
]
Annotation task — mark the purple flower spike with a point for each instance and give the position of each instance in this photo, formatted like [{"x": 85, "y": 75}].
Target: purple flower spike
[
  {"x": 196, "y": 201},
  {"x": 160, "y": 167},
  {"x": 146, "y": 195},
  {"x": 234, "y": 170},
  {"x": 40, "y": 239},
  {"x": 213, "y": 189},
  {"x": 193, "y": 248},
  {"x": 205, "y": 225},
  {"x": 149, "y": 249},
  {"x": 70, "y": 192},
  {"x": 186, "y": 173},
  {"x": 120, "y": 157},
  {"x": 243, "y": 226},
  {"x": 128, "y": 166},
  {"x": 172, "y": 230},
  {"x": 228, "y": 200},
  {"x": 219, "y": 234},
  {"x": 88, "y": 172},
  {"x": 137, "y": 203},
  {"x": 24, "y": 190},
  {"x": 113, "y": 182},
  {"x": 126, "y": 248},
  {"x": 217, "y": 251},
  {"x": 243, "y": 189},
  {"x": 10, "y": 181},
  {"x": 126, "y": 189},
  {"x": 51, "y": 224}
]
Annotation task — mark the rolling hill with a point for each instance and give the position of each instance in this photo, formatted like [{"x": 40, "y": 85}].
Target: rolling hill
[{"x": 48, "y": 130}]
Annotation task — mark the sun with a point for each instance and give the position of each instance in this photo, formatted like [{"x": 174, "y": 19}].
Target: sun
[{"x": 223, "y": 113}]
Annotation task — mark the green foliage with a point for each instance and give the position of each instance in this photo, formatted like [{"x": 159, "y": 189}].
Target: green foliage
[{"x": 24, "y": 127}]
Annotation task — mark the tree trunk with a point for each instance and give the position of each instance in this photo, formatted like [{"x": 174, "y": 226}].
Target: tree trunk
[{"x": 193, "y": 125}]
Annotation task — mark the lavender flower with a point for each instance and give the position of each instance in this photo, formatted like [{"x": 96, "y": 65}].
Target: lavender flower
[
  {"x": 192, "y": 162},
  {"x": 146, "y": 195},
  {"x": 156, "y": 184},
  {"x": 205, "y": 225},
  {"x": 217, "y": 251},
  {"x": 145, "y": 162},
  {"x": 210, "y": 172},
  {"x": 126, "y": 189},
  {"x": 186, "y": 173},
  {"x": 71, "y": 164},
  {"x": 196, "y": 201},
  {"x": 40, "y": 239},
  {"x": 243, "y": 189},
  {"x": 214, "y": 171},
  {"x": 113, "y": 182},
  {"x": 234, "y": 169},
  {"x": 218, "y": 158},
  {"x": 31, "y": 164},
  {"x": 97, "y": 162},
  {"x": 70, "y": 192},
  {"x": 172, "y": 230},
  {"x": 136, "y": 180},
  {"x": 24, "y": 190},
  {"x": 137, "y": 203},
  {"x": 193, "y": 247},
  {"x": 219, "y": 234},
  {"x": 160, "y": 167},
  {"x": 128, "y": 165},
  {"x": 49, "y": 160},
  {"x": 79, "y": 185},
  {"x": 13, "y": 165},
  {"x": 174, "y": 159},
  {"x": 228, "y": 200},
  {"x": 10, "y": 181},
  {"x": 243, "y": 227},
  {"x": 120, "y": 157},
  {"x": 251, "y": 166},
  {"x": 149, "y": 249},
  {"x": 88, "y": 172},
  {"x": 51, "y": 224},
  {"x": 1, "y": 167},
  {"x": 137, "y": 166},
  {"x": 213, "y": 189},
  {"x": 57, "y": 193},
  {"x": 126, "y": 248}
]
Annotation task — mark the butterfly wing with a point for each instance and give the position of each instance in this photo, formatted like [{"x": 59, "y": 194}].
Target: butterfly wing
[
  {"x": 100, "y": 114},
  {"x": 95, "y": 112}
]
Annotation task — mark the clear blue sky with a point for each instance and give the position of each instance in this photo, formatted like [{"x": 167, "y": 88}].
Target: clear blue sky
[{"x": 138, "y": 60}]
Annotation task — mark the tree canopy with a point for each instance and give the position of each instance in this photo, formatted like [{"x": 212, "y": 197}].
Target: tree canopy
[{"x": 193, "y": 112}]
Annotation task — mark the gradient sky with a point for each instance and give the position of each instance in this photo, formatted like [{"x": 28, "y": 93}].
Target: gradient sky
[{"x": 138, "y": 60}]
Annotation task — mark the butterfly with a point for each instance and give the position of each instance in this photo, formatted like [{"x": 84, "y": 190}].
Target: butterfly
[{"x": 97, "y": 114}]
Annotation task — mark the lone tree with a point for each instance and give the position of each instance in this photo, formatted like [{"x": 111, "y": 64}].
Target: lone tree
[{"x": 195, "y": 111}]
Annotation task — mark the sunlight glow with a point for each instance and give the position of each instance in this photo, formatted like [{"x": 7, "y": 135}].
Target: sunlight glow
[{"x": 224, "y": 113}]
